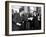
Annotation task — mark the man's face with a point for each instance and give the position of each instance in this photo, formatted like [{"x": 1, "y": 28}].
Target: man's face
[{"x": 34, "y": 13}]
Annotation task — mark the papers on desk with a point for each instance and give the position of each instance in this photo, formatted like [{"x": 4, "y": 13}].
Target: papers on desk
[
  {"x": 18, "y": 24},
  {"x": 31, "y": 18}
]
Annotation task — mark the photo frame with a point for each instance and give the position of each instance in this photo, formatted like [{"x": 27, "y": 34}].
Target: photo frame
[{"x": 24, "y": 18}]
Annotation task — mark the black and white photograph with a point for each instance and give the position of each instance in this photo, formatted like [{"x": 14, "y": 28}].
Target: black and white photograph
[{"x": 25, "y": 18}]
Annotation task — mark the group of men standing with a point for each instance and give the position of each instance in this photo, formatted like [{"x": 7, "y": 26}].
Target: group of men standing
[{"x": 26, "y": 21}]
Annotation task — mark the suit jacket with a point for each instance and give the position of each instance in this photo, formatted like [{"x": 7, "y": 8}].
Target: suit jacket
[{"x": 16, "y": 19}]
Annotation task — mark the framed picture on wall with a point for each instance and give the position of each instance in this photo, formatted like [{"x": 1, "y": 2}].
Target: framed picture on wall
[{"x": 24, "y": 18}]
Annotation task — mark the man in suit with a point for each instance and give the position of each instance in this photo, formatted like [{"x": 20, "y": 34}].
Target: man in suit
[
  {"x": 15, "y": 21},
  {"x": 35, "y": 21}
]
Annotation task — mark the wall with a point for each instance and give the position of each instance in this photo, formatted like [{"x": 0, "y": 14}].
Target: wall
[{"x": 2, "y": 18}]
